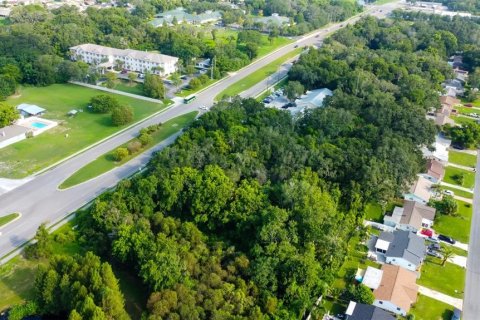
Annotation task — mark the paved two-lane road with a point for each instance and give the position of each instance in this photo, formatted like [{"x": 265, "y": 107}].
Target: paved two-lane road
[
  {"x": 471, "y": 300},
  {"x": 40, "y": 201}
]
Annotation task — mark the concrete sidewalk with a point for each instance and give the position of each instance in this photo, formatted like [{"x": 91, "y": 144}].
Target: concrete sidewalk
[
  {"x": 457, "y": 303},
  {"x": 455, "y": 187},
  {"x": 460, "y": 166},
  {"x": 131, "y": 95}
]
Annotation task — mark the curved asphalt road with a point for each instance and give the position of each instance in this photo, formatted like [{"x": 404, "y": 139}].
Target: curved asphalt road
[{"x": 40, "y": 201}]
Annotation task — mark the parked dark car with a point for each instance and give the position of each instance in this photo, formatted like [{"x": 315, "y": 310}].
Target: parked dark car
[
  {"x": 446, "y": 239},
  {"x": 434, "y": 246},
  {"x": 434, "y": 253},
  {"x": 295, "y": 46},
  {"x": 457, "y": 314}
]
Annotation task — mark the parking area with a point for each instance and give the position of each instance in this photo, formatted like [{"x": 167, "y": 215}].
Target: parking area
[{"x": 277, "y": 100}]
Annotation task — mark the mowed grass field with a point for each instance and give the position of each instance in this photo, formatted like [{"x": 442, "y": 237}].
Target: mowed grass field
[
  {"x": 462, "y": 158},
  {"x": 265, "y": 47},
  {"x": 106, "y": 162},
  {"x": 28, "y": 156},
  {"x": 430, "y": 309},
  {"x": 452, "y": 175},
  {"x": 457, "y": 227}
]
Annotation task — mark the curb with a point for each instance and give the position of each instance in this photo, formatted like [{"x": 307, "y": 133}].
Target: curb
[{"x": 15, "y": 219}]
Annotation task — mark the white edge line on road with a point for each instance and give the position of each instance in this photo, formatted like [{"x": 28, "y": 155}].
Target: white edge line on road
[{"x": 16, "y": 218}]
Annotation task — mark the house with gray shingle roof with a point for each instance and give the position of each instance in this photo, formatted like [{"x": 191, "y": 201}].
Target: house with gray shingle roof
[{"x": 401, "y": 248}]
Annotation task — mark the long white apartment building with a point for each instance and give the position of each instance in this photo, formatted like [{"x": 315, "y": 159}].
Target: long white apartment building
[{"x": 132, "y": 60}]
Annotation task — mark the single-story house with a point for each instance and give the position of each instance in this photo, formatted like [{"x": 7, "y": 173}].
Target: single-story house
[
  {"x": 439, "y": 150},
  {"x": 441, "y": 120},
  {"x": 455, "y": 61},
  {"x": 397, "y": 291},
  {"x": 420, "y": 191},
  {"x": 450, "y": 91},
  {"x": 182, "y": 16},
  {"x": 372, "y": 277},
  {"x": 401, "y": 248},
  {"x": 203, "y": 64},
  {"x": 313, "y": 99},
  {"x": 449, "y": 101},
  {"x": 435, "y": 171},
  {"x": 5, "y": 12},
  {"x": 360, "y": 311},
  {"x": 274, "y": 20},
  {"x": 413, "y": 216},
  {"x": 455, "y": 84},
  {"x": 30, "y": 110}
]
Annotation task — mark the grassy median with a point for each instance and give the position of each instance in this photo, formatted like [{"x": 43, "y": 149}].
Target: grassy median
[
  {"x": 257, "y": 76},
  {"x": 106, "y": 162},
  {"x": 8, "y": 218}
]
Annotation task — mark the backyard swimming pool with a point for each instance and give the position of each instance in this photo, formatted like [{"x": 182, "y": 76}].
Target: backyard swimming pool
[{"x": 38, "y": 125}]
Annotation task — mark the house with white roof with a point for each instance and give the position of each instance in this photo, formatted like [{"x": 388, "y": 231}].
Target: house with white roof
[
  {"x": 310, "y": 100},
  {"x": 133, "y": 60},
  {"x": 439, "y": 150}
]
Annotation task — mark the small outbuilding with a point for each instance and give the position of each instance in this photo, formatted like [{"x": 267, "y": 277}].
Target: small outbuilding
[
  {"x": 30, "y": 110},
  {"x": 72, "y": 113}
]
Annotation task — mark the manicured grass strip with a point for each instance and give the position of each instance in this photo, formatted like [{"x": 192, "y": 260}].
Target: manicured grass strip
[
  {"x": 373, "y": 212},
  {"x": 464, "y": 120},
  {"x": 427, "y": 308},
  {"x": 452, "y": 176},
  {"x": 448, "y": 279},
  {"x": 28, "y": 156},
  {"x": 457, "y": 227},
  {"x": 9, "y": 217},
  {"x": 462, "y": 158},
  {"x": 135, "y": 88},
  {"x": 106, "y": 163},
  {"x": 257, "y": 76},
  {"x": 187, "y": 92},
  {"x": 459, "y": 192}
]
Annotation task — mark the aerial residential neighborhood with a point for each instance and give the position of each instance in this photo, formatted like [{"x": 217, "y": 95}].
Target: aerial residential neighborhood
[{"x": 239, "y": 159}]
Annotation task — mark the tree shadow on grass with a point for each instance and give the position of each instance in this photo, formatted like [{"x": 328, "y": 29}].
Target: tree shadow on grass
[{"x": 447, "y": 315}]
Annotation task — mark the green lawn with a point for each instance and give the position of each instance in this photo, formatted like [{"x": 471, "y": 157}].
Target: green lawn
[
  {"x": 187, "y": 92},
  {"x": 357, "y": 258},
  {"x": 28, "y": 156},
  {"x": 452, "y": 173},
  {"x": 452, "y": 278},
  {"x": 257, "y": 76},
  {"x": 430, "y": 309},
  {"x": 6, "y": 219},
  {"x": 466, "y": 110},
  {"x": 17, "y": 277},
  {"x": 373, "y": 212},
  {"x": 464, "y": 120},
  {"x": 457, "y": 227},
  {"x": 458, "y": 192},
  {"x": 105, "y": 162},
  {"x": 135, "y": 88},
  {"x": 16, "y": 281},
  {"x": 461, "y": 158},
  {"x": 265, "y": 47}
]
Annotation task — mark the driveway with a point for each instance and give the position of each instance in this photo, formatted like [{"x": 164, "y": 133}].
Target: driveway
[
  {"x": 459, "y": 261},
  {"x": 457, "y": 303}
]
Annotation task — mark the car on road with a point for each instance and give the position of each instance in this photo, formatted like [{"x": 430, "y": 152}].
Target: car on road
[
  {"x": 203, "y": 108},
  {"x": 445, "y": 238},
  {"x": 449, "y": 192},
  {"x": 317, "y": 36},
  {"x": 295, "y": 46},
  {"x": 141, "y": 76}
]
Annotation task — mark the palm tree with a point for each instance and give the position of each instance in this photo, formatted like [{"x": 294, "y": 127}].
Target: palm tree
[{"x": 447, "y": 254}]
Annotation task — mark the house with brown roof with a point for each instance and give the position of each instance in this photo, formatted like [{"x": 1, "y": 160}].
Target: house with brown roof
[
  {"x": 420, "y": 191},
  {"x": 397, "y": 291},
  {"x": 435, "y": 171},
  {"x": 449, "y": 101},
  {"x": 413, "y": 216}
]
